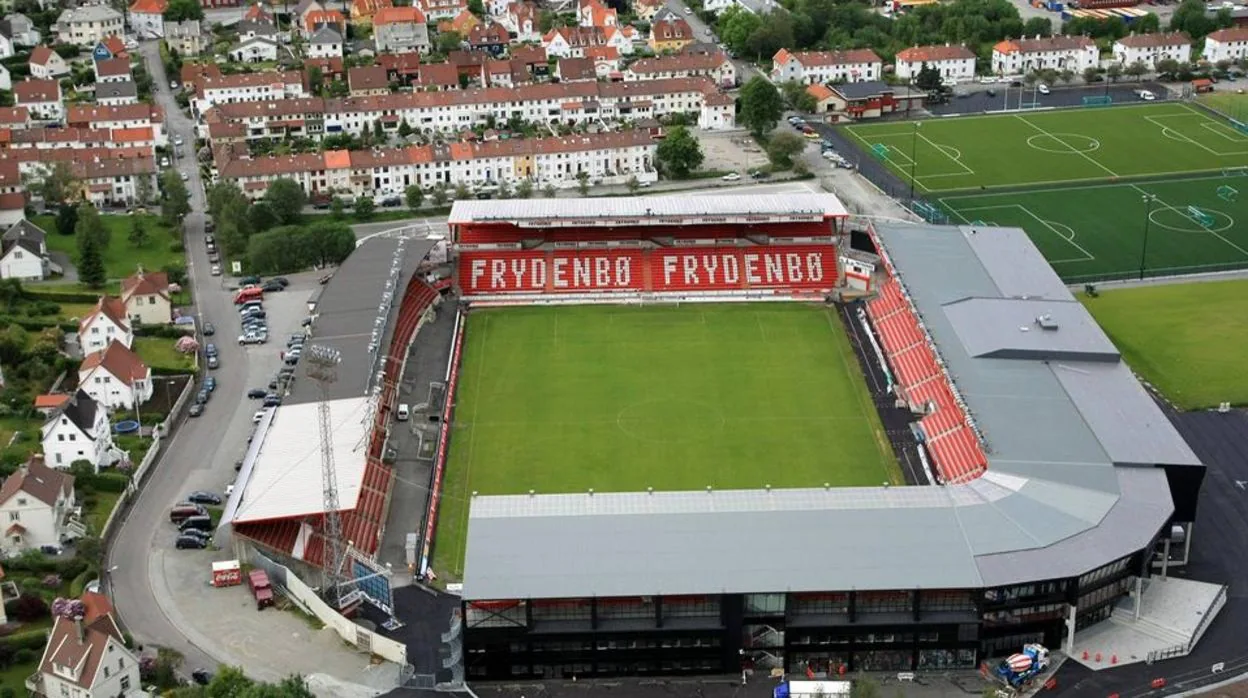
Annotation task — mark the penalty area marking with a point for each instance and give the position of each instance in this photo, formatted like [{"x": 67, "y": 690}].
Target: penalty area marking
[{"x": 1062, "y": 231}]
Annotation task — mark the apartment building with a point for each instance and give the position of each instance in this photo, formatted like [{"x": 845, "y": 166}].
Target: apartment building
[
  {"x": 147, "y": 17},
  {"x": 41, "y": 97},
  {"x": 611, "y": 158},
  {"x": 120, "y": 119},
  {"x": 1022, "y": 56},
  {"x": 811, "y": 67},
  {"x": 715, "y": 66},
  {"x": 441, "y": 9},
  {"x": 1150, "y": 48},
  {"x": 1226, "y": 44},
  {"x": 247, "y": 87},
  {"x": 88, "y": 25},
  {"x": 954, "y": 63},
  {"x": 571, "y": 42}
]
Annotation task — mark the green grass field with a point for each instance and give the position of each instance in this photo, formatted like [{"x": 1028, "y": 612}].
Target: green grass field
[
  {"x": 617, "y": 398},
  {"x": 1096, "y": 232},
  {"x": 1232, "y": 104},
  {"x": 1047, "y": 147},
  {"x": 1185, "y": 339},
  {"x": 122, "y": 259}
]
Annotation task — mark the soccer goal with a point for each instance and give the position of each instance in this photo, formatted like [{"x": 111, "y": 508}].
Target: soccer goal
[
  {"x": 929, "y": 212},
  {"x": 880, "y": 150},
  {"x": 1228, "y": 193},
  {"x": 1205, "y": 220}
]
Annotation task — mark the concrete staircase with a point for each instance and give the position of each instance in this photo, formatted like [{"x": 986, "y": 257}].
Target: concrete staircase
[{"x": 1124, "y": 615}]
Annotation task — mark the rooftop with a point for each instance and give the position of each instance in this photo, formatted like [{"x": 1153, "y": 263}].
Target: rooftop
[{"x": 643, "y": 210}]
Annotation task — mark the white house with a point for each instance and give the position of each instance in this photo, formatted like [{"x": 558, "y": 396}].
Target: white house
[
  {"x": 20, "y": 30},
  {"x": 249, "y": 87},
  {"x": 1150, "y": 48},
  {"x": 88, "y": 25},
  {"x": 86, "y": 657},
  {"x": 186, "y": 37},
  {"x": 147, "y": 17},
  {"x": 6, "y": 79},
  {"x": 571, "y": 42},
  {"x": 80, "y": 431},
  {"x": 24, "y": 252},
  {"x": 714, "y": 65},
  {"x": 41, "y": 97},
  {"x": 47, "y": 64},
  {"x": 148, "y": 298},
  {"x": 37, "y": 507},
  {"x": 106, "y": 321},
  {"x": 325, "y": 43},
  {"x": 954, "y": 63},
  {"x": 1226, "y": 44},
  {"x": 521, "y": 19},
  {"x": 1022, "y": 56},
  {"x": 254, "y": 50},
  {"x": 810, "y": 67},
  {"x": 116, "y": 377},
  {"x": 6, "y": 44}
]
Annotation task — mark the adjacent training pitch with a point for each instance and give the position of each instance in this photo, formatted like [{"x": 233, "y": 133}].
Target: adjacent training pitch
[
  {"x": 621, "y": 398},
  {"x": 1185, "y": 339},
  {"x": 1090, "y": 186}
]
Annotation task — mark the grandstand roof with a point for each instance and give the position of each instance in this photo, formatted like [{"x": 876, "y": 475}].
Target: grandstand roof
[
  {"x": 1070, "y": 434},
  {"x": 285, "y": 467},
  {"x": 644, "y": 210},
  {"x": 347, "y": 312}
]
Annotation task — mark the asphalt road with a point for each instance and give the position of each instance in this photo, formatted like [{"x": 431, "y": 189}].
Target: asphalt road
[
  {"x": 704, "y": 33},
  {"x": 145, "y": 530}
]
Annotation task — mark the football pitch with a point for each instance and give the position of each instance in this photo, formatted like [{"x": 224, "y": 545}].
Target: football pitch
[
  {"x": 621, "y": 398},
  {"x": 1106, "y": 193}
]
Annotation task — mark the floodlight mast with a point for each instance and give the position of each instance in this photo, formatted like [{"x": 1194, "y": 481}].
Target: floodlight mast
[{"x": 322, "y": 364}]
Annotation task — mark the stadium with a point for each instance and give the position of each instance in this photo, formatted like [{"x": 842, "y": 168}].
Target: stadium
[{"x": 683, "y": 435}]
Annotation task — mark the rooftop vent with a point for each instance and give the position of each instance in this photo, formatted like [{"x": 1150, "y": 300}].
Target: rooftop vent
[{"x": 1046, "y": 322}]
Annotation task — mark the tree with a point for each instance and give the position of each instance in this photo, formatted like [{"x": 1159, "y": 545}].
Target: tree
[
  {"x": 287, "y": 199},
  {"x": 1038, "y": 26},
  {"x": 180, "y": 10},
  {"x": 66, "y": 219},
  {"x": 1148, "y": 24},
  {"x": 546, "y": 21},
  {"x": 1090, "y": 74},
  {"x": 782, "y": 147},
  {"x": 261, "y": 217},
  {"x": 337, "y": 207},
  {"x": 55, "y": 184},
  {"x": 864, "y": 687},
  {"x": 175, "y": 200},
  {"x": 89, "y": 225},
  {"x": 449, "y": 41},
  {"x": 1137, "y": 70},
  {"x": 680, "y": 152},
  {"x": 143, "y": 190},
  {"x": 405, "y": 129},
  {"x": 91, "y": 261},
  {"x": 1167, "y": 67},
  {"x": 524, "y": 190},
  {"x": 439, "y": 195},
  {"x": 364, "y": 207},
  {"x": 476, "y": 7},
  {"x": 462, "y": 191},
  {"x": 582, "y": 183},
  {"x": 504, "y": 189},
  {"x": 1066, "y": 75},
  {"x": 761, "y": 106},
  {"x": 797, "y": 97},
  {"x": 928, "y": 79},
  {"x": 633, "y": 185},
  {"x": 1114, "y": 71},
  {"x": 1190, "y": 17},
  {"x": 549, "y": 191},
  {"x": 316, "y": 80},
  {"x": 138, "y": 232},
  {"x": 414, "y": 196}
]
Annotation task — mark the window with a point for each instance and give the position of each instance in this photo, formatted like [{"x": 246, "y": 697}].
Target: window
[
  {"x": 21, "y": 501},
  {"x": 125, "y": 683}
]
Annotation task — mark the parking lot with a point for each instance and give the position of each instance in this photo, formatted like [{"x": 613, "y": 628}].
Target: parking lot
[{"x": 730, "y": 152}]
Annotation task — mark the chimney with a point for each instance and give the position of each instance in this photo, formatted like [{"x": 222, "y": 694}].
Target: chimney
[{"x": 82, "y": 631}]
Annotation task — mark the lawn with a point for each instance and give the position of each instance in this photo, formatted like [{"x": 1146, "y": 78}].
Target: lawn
[
  {"x": 1097, "y": 232},
  {"x": 564, "y": 399},
  {"x": 122, "y": 259},
  {"x": 1047, "y": 147},
  {"x": 1232, "y": 104},
  {"x": 15, "y": 675},
  {"x": 101, "y": 508},
  {"x": 159, "y": 352}
]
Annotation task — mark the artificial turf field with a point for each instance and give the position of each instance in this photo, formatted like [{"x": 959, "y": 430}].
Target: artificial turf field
[
  {"x": 1076, "y": 181},
  {"x": 1186, "y": 339},
  {"x": 674, "y": 397}
]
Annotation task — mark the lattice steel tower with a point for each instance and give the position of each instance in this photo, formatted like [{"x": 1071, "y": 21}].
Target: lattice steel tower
[{"x": 323, "y": 368}]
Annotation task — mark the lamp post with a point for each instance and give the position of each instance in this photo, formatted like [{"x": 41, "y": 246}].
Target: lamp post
[
  {"x": 914, "y": 163},
  {"x": 1149, "y": 200}
]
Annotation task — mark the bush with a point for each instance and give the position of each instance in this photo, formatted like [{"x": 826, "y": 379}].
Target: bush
[
  {"x": 30, "y": 640},
  {"x": 79, "y": 584},
  {"x": 63, "y": 296},
  {"x": 177, "y": 246},
  {"x": 27, "y": 608},
  {"x": 23, "y": 656},
  {"x": 111, "y": 482},
  {"x": 52, "y": 581}
]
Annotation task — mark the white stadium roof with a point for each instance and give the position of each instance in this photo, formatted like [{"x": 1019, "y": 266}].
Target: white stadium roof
[
  {"x": 285, "y": 478},
  {"x": 602, "y": 210}
]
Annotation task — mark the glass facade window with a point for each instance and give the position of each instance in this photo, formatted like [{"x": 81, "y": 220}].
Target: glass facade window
[
  {"x": 1106, "y": 593},
  {"x": 884, "y": 638},
  {"x": 562, "y": 609},
  {"x": 1102, "y": 573},
  {"x": 933, "y": 660},
  {"x": 883, "y": 660},
  {"x": 946, "y": 600},
  {"x": 1023, "y": 591},
  {"x": 819, "y": 604},
  {"x": 1009, "y": 644},
  {"x": 495, "y": 614},
  {"x": 820, "y": 663},
  {"x": 883, "y": 602},
  {"x": 1025, "y": 614},
  {"x": 626, "y": 607},
  {"x": 691, "y": 607},
  {"x": 764, "y": 604}
]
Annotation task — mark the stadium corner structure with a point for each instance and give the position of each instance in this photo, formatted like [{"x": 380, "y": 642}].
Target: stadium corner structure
[{"x": 1057, "y": 478}]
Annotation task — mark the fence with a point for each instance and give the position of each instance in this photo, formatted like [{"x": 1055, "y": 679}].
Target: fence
[{"x": 303, "y": 596}]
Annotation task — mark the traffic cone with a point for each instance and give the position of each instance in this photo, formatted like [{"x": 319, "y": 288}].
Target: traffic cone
[
  {"x": 1113, "y": 659},
  {"x": 1098, "y": 657},
  {"x": 1085, "y": 655}
]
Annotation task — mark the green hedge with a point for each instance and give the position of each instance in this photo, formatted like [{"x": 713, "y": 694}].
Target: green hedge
[
  {"x": 66, "y": 296},
  {"x": 111, "y": 482},
  {"x": 35, "y": 325},
  {"x": 168, "y": 331},
  {"x": 167, "y": 371},
  {"x": 79, "y": 583},
  {"x": 29, "y": 640}
]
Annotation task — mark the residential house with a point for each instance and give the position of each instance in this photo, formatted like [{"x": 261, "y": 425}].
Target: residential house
[
  {"x": 47, "y": 64},
  {"x": 325, "y": 43},
  {"x": 148, "y": 298},
  {"x": 670, "y": 35},
  {"x": 37, "y": 507},
  {"x": 24, "y": 252},
  {"x": 606, "y": 60},
  {"x": 521, "y": 19},
  {"x": 260, "y": 12},
  {"x": 403, "y": 68},
  {"x": 809, "y": 67},
  {"x": 825, "y": 98},
  {"x": 116, "y": 377},
  {"x": 109, "y": 47},
  {"x": 575, "y": 69},
  {"x": 1226, "y": 44},
  {"x": 114, "y": 181},
  {"x": 1022, "y": 56},
  {"x": 129, "y": 116},
  {"x": 954, "y": 63},
  {"x": 88, "y": 25},
  {"x": 6, "y": 43},
  {"x": 1150, "y": 48},
  {"x": 437, "y": 10},
  {"x": 492, "y": 38},
  {"x": 872, "y": 99},
  {"x": 715, "y": 66},
  {"x": 106, "y": 322},
  {"x": 48, "y": 403},
  {"x": 248, "y": 87},
  {"x": 362, "y": 11},
  {"x": 116, "y": 93},
  {"x": 6, "y": 79},
  {"x": 186, "y": 38},
  {"x": 301, "y": 10},
  {"x": 20, "y": 30},
  {"x": 254, "y": 50},
  {"x": 253, "y": 28},
  {"x": 316, "y": 19},
  {"x": 647, "y": 9},
  {"x": 400, "y": 30},
  {"x": 571, "y": 42},
  {"x": 461, "y": 23},
  {"x": 594, "y": 13},
  {"x": 41, "y": 97},
  {"x": 436, "y": 77},
  {"x": 80, "y": 431},
  {"x": 87, "y": 656},
  {"x": 112, "y": 70},
  {"x": 369, "y": 80},
  {"x": 147, "y": 18}
]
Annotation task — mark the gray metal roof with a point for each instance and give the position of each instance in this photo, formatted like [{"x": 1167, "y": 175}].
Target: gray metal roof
[
  {"x": 469, "y": 211},
  {"x": 1067, "y": 428}
]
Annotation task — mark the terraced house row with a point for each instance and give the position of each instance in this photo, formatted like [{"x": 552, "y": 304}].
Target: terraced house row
[{"x": 607, "y": 158}]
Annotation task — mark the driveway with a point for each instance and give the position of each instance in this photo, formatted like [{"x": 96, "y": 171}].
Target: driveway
[{"x": 162, "y": 594}]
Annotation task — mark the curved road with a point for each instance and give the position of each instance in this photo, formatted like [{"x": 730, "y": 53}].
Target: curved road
[{"x": 145, "y": 535}]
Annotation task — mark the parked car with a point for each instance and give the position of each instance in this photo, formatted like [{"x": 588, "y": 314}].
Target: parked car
[
  {"x": 216, "y": 270},
  {"x": 210, "y": 349},
  {"x": 50, "y": 549},
  {"x": 202, "y": 535},
  {"x": 202, "y": 497},
  {"x": 731, "y": 177},
  {"x": 249, "y": 280},
  {"x": 210, "y": 384},
  {"x": 272, "y": 287},
  {"x": 325, "y": 279},
  {"x": 181, "y": 512},
  {"x": 1043, "y": 89},
  {"x": 253, "y": 338},
  {"x": 214, "y": 362},
  {"x": 281, "y": 280},
  {"x": 253, "y": 313},
  {"x": 209, "y": 329},
  {"x": 195, "y": 411},
  {"x": 255, "y": 394},
  {"x": 259, "y": 415},
  {"x": 190, "y": 543},
  {"x": 201, "y": 397},
  {"x": 261, "y": 589},
  {"x": 201, "y": 677},
  {"x": 209, "y": 239},
  {"x": 272, "y": 400}
]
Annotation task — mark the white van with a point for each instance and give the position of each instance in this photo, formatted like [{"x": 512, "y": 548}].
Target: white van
[
  {"x": 403, "y": 413},
  {"x": 1042, "y": 89}
]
